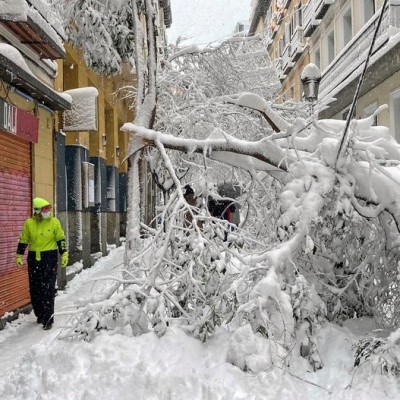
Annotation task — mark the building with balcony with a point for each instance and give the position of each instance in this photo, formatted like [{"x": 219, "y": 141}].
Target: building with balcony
[
  {"x": 92, "y": 191},
  {"x": 336, "y": 36},
  {"x": 283, "y": 23},
  {"x": 340, "y": 45},
  {"x": 60, "y": 139},
  {"x": 91, "y": 170}
]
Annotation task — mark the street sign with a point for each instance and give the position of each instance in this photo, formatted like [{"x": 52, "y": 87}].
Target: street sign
[{"x": 19, "y": 122}]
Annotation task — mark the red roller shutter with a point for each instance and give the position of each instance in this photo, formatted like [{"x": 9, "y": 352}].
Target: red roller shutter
[{"x": 15, "y": 207}]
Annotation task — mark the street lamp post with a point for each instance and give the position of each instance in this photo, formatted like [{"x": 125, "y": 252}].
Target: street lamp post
[{"x": 310, "y": 79}]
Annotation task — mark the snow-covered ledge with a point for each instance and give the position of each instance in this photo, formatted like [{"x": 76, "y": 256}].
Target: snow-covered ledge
[
  {"x": 15, "y": 71},
  {"x": 14, "y": 10},
  {"x": 36, "y": 26},
  {"x": 83, "y": 114},
  {"x": 14, "y": 56}
]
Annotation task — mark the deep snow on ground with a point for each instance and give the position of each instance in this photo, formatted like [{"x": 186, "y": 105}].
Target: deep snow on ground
[{"x": 37, "y": 364}]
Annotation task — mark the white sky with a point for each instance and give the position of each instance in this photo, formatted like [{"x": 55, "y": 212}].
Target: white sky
[{"x": 204, "y": 21}]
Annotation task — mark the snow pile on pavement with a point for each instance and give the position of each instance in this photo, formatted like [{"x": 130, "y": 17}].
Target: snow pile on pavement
[{"x": 175, "y": 366}]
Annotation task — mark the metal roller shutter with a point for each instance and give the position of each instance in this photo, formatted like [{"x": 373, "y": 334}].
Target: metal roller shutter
[{"x": 15, "y": 207}]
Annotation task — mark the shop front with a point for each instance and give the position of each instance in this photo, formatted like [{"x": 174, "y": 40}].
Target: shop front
[{"x": 18, "y": 130}]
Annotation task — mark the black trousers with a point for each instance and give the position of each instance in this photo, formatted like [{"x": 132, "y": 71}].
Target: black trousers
[{"x": 42, "y": 282}]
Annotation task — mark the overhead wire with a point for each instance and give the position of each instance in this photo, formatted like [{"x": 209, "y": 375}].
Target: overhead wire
[{"x": 344, "y": 140}]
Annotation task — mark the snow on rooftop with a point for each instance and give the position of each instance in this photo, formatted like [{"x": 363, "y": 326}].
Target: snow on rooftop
[
  {"x": 40, "y": 21},
  {"x": 46, "y": 11},
  {"x": 40, "y": 12},
  {"x": 15, "y": 56},
  {"x": 83, "y": 113},
  {"x": 15, "y": 10}
]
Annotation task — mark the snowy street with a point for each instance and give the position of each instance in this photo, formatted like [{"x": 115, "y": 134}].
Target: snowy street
[
  {"x": 204, "y": 195},
  {"x": 36, "y": 364},
  {"x": 17, "y": 338}
]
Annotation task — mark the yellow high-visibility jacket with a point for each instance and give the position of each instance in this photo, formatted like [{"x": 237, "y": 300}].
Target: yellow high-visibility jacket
[{"x": 42, "y": 235}]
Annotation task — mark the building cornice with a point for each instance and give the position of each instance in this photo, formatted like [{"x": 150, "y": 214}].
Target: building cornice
[
  {"x": 260, "y": 11},
  {"x": 17, "y": 77}
]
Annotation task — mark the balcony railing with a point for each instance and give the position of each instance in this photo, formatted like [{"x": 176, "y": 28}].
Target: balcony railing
[
  {"x": 278, "y": 63},
  {"x": 313, "y": 13},
  {"x": 355, "y": 53},
  {"x": 310, "y": 22},
  {"x": 287, "y": 63},
  {"x": 297, "y": 43},
  {"x": 321, "y": 7}
]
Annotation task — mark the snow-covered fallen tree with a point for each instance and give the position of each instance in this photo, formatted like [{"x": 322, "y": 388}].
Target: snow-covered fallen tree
[
  {"x": 318, "y": 239},
  {"x": 319, "y": 234}
]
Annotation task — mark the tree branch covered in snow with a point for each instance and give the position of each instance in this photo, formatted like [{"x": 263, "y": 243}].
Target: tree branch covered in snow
[
  {"x": 327, "y": 223},
  {"x": 316, "y": 240},
  {"x": 103, "y": 29}
]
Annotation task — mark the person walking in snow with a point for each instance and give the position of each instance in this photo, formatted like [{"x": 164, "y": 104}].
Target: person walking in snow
[
  {"x": 222, "y": 209},
  {"x": 192, "y": 200},
  {"x": 43, "y": 234}
]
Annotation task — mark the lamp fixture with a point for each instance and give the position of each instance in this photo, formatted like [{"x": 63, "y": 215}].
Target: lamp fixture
[{"x": 310, "y": 78}]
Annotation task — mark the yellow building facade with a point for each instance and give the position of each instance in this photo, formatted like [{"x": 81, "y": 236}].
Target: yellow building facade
[
  {"x": 60, "y": 139},
  {"x": 28, "y": 106},
  {"x": 91, "y": 194}
]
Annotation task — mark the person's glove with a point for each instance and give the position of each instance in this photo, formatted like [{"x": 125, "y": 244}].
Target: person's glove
[
  {"x": 64, "y": 259},
  {"x": 18, "y": 260}
]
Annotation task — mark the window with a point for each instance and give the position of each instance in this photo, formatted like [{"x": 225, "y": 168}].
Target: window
[
  {"x": 317, "y": 58},
  {"x": 288, "y": 33},
  {"x": 281, "y": 47},
  {"x": 369, "y": 9},
  {"x": 331, "y": 46},
  {"x": 298, "y": 15},
  {"x": 395, "y": 114},
  {"x": 369, "y": 110},
  {"x": 347, "y": 27}
]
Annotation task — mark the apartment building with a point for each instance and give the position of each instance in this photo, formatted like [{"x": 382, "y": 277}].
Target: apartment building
[
  {"x": 60, "y": 139},
  {"x": 336, "y": 36},
  {"x": 282, "y": 22},
  {"x": 29, "y": 102},
  {"x": 92, "y": 194},
  {"x": 91, "y": 171}
]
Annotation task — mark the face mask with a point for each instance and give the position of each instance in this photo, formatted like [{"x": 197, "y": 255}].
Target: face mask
[{"x": 46, "y": 214}]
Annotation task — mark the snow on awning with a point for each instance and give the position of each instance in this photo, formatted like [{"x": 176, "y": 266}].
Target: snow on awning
[
  {"x": 83, "y": 114},
  {"x": 15, "y": 56},
  {"x": 15, "y": 10},
  {"x": 47, "y": 12},
  {"x": 15, "y": 71},
  {"x": 32, "y": 28}
]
